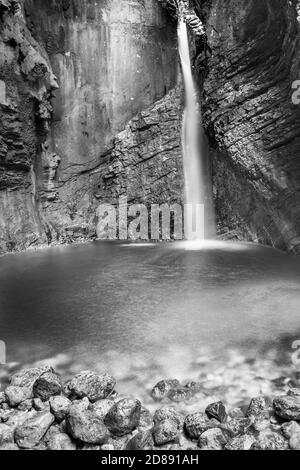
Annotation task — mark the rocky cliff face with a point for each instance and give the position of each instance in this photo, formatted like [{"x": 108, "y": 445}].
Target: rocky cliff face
[
  {"x": 246, "y": 73},
  {"x": 26, "y": 84},
  {"x": 113, "y": 126},
  {"x": 112, "y": 61}
]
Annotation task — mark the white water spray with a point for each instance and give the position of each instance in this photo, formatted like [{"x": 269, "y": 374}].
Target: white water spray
[{"x": 192, "y": 142}]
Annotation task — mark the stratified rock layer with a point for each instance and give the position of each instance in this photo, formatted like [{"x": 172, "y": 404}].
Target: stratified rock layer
[{"x": 246, "y": 72}]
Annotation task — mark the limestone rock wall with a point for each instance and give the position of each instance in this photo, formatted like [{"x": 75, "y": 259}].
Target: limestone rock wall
[
  {"x": 26, "y": 84},
  {"x": 246, "y": 71}
]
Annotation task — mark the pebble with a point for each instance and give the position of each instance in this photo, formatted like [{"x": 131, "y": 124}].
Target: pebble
[
  {"x": 123, "y": 417},
  {"x": 91, "y": 385}
]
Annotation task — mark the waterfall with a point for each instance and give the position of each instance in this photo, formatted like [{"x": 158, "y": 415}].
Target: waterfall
[{"x": 194, "y": 158}]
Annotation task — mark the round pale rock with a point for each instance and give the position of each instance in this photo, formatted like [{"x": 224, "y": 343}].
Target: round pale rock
[
  {"x": 258, "y": 408},
  {"x": 6, "y": 434},
  {"x": 287, "y": 407},
  {"x": 30, "y": 433},
  {"x": 59, "y": 407},
  {"x": 141, "y": 441},
  {"x": 123, "y": 417},
  {"x": 91, "y": 385},
  {"x": 102, "y": 407},
  {"x": 241, "y": 443},
  {"x": 26, "y": 378},
  {"x": 60, "y": 441},
  {"x": 165, "y": 431},
  {"x": 269, "y": 440},
  {"x": 46, "y": 386},
  {"x": 212, "y": 439},
  {"x": 167, "y": 412},
  {"x": 290, "y": 428},
  {"x": 86, "y": 426},
  {"x": 16, "y": 395},
  {"x": 163, "y": 388},
  {"x": 217, "y": 411},
  {"x": 197, "y": 423}
]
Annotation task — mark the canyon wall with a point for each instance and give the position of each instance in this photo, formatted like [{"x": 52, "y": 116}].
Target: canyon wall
[
  {"x": 245, "y": 70},
  {"x": 113, "y": 60}
]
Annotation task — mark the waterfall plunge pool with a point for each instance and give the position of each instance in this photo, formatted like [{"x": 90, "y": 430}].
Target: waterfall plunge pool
[{"x": 150, "y": 311}]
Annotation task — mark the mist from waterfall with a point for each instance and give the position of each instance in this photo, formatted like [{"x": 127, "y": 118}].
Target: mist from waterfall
[{"x": 199, "y": 219}]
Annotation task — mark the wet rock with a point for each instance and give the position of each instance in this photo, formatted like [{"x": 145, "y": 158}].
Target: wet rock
[
  {"x": 244, "y": 442},
  {"x": 162, "y": 389},
  {"x": 180, "y": 394},
  {"x": 27, "y": 378},
  {"x": 197, "y": 423},
  {"x": 59, "y": 407},
  {"x": 46, "y": 386},
  {"x": 146, "y": 420},
  {"x": 287, "y": 407},
  {"x": 30, "y": 433},
  {"x": 120, "y": 443},
  {"x": 217, "y": 411},
  {"x": 17, "y": 417},
  {"x": 102, "y": 407},
  {"x": 294, "y": 439},
  {"x": 123, "y": 417},
  {"x": 258, "y": 408},
  {"x": 15, "y": 395},
  {"x": 236, "y": 427},
  {"x": 167, "y": 412},
  {"x": 165, "y": 431},
  {"x": 40, "y": 405},
  {"x": 270, "y": 441},
  {"x": 60, "y": 441},
  {"x": 212, "y": 439},
  {"x": 141, "y": 441},
  {"x": 6, "y": 434},
  {"x": 91, "y": 385},
  {"x": 25, "y": 405},
  {"x": 108, "y": 446},
  {"x": 86, "y": 426},
  {"x": 82, "y": 404},
  {"x": 290, "y": 428}
]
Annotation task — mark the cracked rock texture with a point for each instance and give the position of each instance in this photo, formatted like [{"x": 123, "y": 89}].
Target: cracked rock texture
[
  {"x": 112, "y": 128},
  {"x": 112, "y": 61},
  {"x": 246, "y": 73}
]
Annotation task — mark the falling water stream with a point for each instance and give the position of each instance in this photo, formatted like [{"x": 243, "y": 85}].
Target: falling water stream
[{"x": 196, "y": 199}]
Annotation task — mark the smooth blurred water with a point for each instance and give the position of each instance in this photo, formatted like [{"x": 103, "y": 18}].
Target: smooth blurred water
[{"x": 143, "y": 301}]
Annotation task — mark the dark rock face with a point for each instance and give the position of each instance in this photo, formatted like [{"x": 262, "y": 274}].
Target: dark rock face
[
  {"x": 112, "y": 61},
  {"x": 246, "y": 73},
  {"x": 26, "y": 84}
]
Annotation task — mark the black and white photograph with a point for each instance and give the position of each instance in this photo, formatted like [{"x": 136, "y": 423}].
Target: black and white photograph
[{"x": 149, "y": 228}]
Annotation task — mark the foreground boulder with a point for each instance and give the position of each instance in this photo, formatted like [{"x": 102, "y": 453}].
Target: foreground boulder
[
  {"x": 197, "y": 423},
  {"x": 287, "y": 407},
  {"x": 46, "y": 386},
  {"x": 91, "y": 385},
  {"x": 16, "y": 395},
  {"x": 60, "y": 406},
  {"x": 27, "y": 378},
  {"x": 212, "y": 439},
  {"x": 29, "y": 434},
  {"x": 217, "y": 411},
  {"x": 84, "y": 425},
  {"x": 123, "y": 417},
  {"x": 165, "y": 431}
]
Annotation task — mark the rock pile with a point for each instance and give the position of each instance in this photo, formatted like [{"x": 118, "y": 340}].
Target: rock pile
[{"x": 39, "y": 412}]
